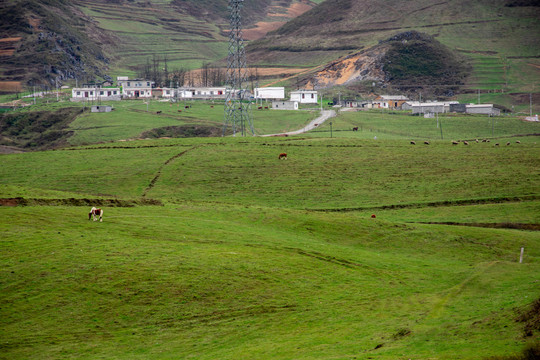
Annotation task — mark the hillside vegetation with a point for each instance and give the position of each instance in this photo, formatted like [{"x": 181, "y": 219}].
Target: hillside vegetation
[
  {"x": 501, "y": 32},
  {"x": 51, "y": 41}
]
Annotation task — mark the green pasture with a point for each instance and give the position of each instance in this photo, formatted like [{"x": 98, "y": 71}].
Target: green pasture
[
  {"x": 445, "y": 127},
  {"x": 237, "y": 282},
  {"x": 131, "y": 118},
  {"x": 251, "y": 257}
]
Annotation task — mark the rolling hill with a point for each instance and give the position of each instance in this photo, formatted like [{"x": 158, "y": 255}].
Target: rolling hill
[
  {"x": 83, "y": 39},
  {"x": 499, "y": 38},
  {"x": 56, "y": 39}
]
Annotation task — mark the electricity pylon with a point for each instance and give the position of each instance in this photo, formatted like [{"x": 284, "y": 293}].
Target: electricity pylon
[{"x": 237, "y": 104}]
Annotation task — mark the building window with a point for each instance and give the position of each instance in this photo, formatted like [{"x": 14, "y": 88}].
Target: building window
[
  {"x": 312, "y": 96},
  {"x": 101, "y": 93},
  {"x": 129, "y": 84},
  {"x": 148, "y": 83},
  {"x": 78, "y": 93}
]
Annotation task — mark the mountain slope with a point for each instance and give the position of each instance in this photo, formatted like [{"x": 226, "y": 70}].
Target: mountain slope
[
  {"x": 410, "y": 61},
  {"x": 502, "y": 29},
  {"x": 47, "y": 40}
]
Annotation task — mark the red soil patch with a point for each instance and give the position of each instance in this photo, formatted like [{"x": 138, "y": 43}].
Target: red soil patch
[
  {"x": 34, "y": 23},
  {"x": 261, "y": 29},
  {"x": 12, "y": 39},
  {"x": 10, "y": 86},
  {"x": 9, "y": 202},
  {"x": 298, "y": 9},
  {"x": 7, "y": 45}
]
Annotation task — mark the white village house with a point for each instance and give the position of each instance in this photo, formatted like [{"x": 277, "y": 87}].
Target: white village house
[
  {"x": 390, "y": 101},
  {"x": 304, "y": 96},
  {"x": 204, "y": 92},
  {"x": 95, "y": 93},
  {"x": 270, "y": 93},
  {"x": 134, "y": 89}
]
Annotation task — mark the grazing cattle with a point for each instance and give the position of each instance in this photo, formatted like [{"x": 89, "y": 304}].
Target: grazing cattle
[
  {"x": 158, "y": 112},
  {"x": 373, "y": 216},
  {"x": 465, "y": 143},
  {"x": 179, "y": 110},
  {"x": 259, "y": 108},
  {"x": 518, "y": 142},
  {"x": 282, "y": 156},
  {"x": 497, "y": 144},
  {"x": 266, "y": 108},
  {"x": 508, "y": 143},
  {"x": 484, "y": 140},
  {"x": 355, "y": 128},
  {"x": 426, "y": 142},
  {"x": 186, "y": 107},
  {"x": 96, "y": 213},
  {"x": 454, "y": 142},
  {"x": 211, "y": 106},
  {"x": 413, "y": 142},
  {"x": 476, "y": 140}
]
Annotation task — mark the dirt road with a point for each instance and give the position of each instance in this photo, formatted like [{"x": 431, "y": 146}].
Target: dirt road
[{"x": 325, "y": 115}]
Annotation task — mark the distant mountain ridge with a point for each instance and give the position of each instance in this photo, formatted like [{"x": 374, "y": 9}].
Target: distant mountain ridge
[
  {"x": 42, "y": 41},
  {"x": 49, "y": 40},
  {"x": 499, "y": 37}
]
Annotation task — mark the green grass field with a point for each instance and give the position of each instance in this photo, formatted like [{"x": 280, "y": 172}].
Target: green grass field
[{"x": 251, "y": 257}]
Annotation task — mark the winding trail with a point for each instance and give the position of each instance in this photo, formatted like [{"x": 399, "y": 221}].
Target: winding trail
[{"x": 325, "y": 115}]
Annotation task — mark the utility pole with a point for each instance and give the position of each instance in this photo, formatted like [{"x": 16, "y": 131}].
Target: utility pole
[
  {"x": 237, "y": 104},
  {"x": 530, "y": 103}
]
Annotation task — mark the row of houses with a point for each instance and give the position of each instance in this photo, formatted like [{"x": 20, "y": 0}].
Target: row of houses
[
  {"x": 400, "y": 102},
  {"x": 144, "y": 89}
]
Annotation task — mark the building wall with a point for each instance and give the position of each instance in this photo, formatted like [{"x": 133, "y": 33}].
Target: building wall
[
  {"x": 101, "y": 108},
  {"x": 422, "y": 109},
  {"x": 270, "y": 93},
  {"x": 304, "y": 97},
  {"x": 285, "y": 105},
  {"x": 91, "y": 94},
  {"x": 487, "y": 109}
]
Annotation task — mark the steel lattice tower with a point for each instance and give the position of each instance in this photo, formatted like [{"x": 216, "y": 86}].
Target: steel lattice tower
[{"x": 237, "y": 105}]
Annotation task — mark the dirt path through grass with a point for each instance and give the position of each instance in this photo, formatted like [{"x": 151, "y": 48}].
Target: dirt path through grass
[{"x": 325, "y": 115}]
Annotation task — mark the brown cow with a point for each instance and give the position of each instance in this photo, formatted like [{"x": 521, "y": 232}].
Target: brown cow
[{"x": 282, "y": 156}]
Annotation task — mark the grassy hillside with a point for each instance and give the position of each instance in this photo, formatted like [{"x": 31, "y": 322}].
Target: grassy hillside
[
  {"x": 498, "y": 37},
  {"x": 233, "y": 266},
  {"x": 187, "y": 33},
  {"x": 56, "y": 124}
]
